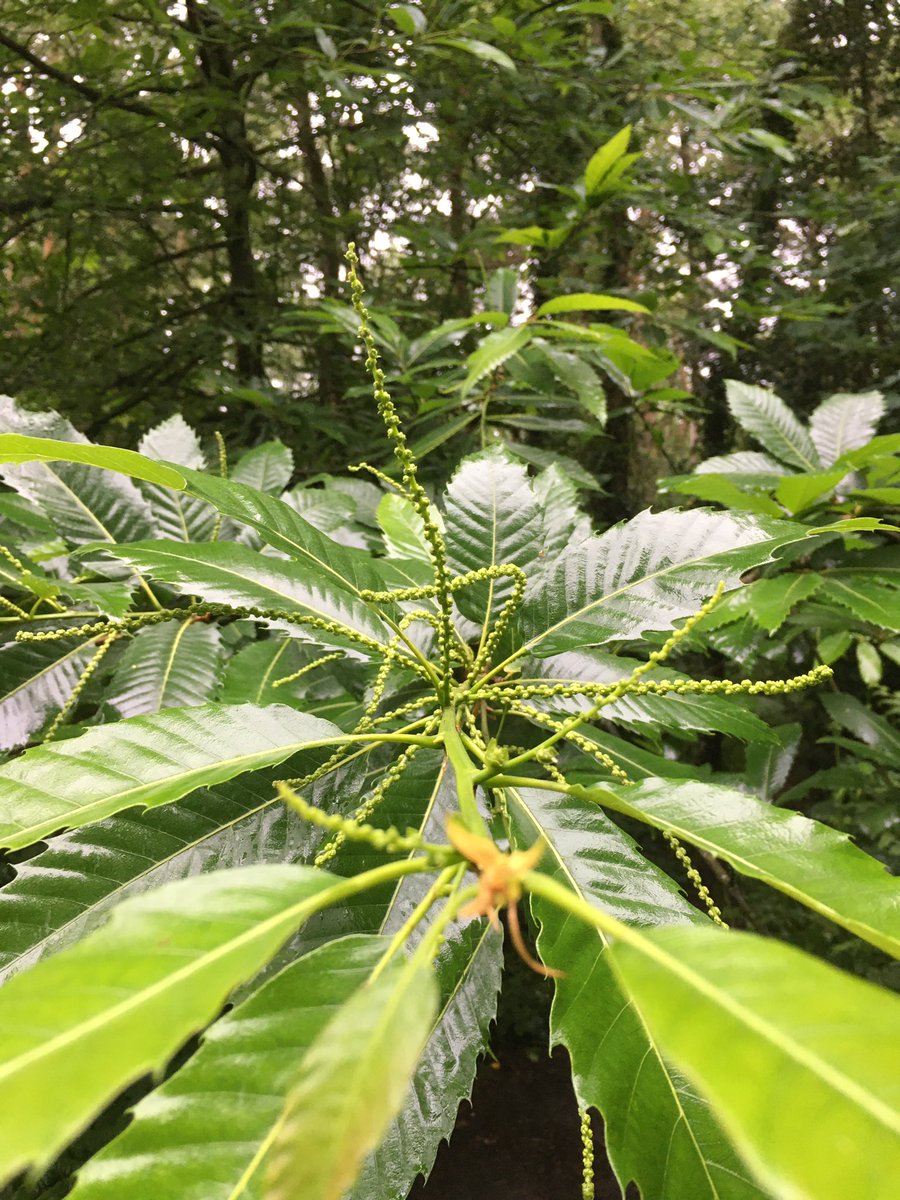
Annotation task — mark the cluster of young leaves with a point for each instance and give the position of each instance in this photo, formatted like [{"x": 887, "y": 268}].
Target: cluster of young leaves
[
  {"x": 545, "y": 374},
  {"x": 836, "y": 598},
  {"x": 208, "y": 637}
]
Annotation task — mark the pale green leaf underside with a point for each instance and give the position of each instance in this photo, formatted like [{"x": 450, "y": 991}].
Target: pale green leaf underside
[
  {"x": 845, "y": 422},
  {"x": 85, "y": 1022},
  {"x": 147, "y": 760},
  {"x": 617, "y": 1067},
  {"x": 810, "y": 862},
  {"x": 351, "y": 1083},
  {"x": 202, "y": 1135},
  {"x": 768, "y": 418},
  {"x": 800, "y": 1060}
]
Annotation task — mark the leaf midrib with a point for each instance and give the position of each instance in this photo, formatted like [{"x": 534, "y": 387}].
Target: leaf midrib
[
  {"x": 289, "y": 916},
  {"x": 629, "y": 1002},
  {"x": 829, "y": 1075}
]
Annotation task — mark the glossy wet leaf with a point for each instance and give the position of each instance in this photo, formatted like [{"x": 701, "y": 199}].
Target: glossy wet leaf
[
  {"x": 617, "y": 1067},
  {"x": 172, "y": 665},
  {"x": 228, "y": 1098},
  {"x": 492, "y": 517},
  {"x": 810, "y": 862},
  {"x": 146, "y": 760},
  {"x": 66, "y": 891},
  {"x": 87, "y": 1021},
  {"x": 643, "y": 575},
  {"x": 351, "y": 1083},
  {"x": 36, "y": 680},
  {"x": 468, "y": 974},
  {"x": 228, "y": 573},
  {"x": 799, "y": 1059}
]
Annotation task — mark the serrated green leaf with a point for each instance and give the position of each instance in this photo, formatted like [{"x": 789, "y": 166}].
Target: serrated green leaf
[
  {"x": 404, "y": 530},
  {"x": 36, "y": 679},
  {"x": 66, "y": 891},
  {"x": 282, "y": 527},
  {"x": 845, "y": 422},
  {"x": 797, "y": 492},
  {"x": 172, "y": 665},
  {"x": 772, "y": 599},
  {"x": 617, "y": 1067},
  {"x": 881, "y": 736},
  {"x": 644, "y": 575},
  {"x": 604, "y": 158},
  {"x": 869, "y": 601},
  {"x": 723, "y": 490},
  {"x": 87, "y": 1021},
  {"x": 493, "y": 352},
  {"x": 268, "y": 468},
  {"x": 83, "y": 506},
  {"x": 229, "y": 1096},
  {"x": 468, "y": 972},
  {"x": 743, "y": 462},
  {"x": 812, "y": 863},
  {"x": 574, "y": 373},
  {"x": 226, "y": 573},
  {"x": 274, "y": 520},
  {"x": 768, "y": 766},
  {"x": 565, "y": 523},
  {"x": 763, "y": 1029},
  {"x": 352, "y": 1082},
  {"x": 147, "y": 760},
  {"x": 768, "y": 418},
  {"x": 589, "y": 301},
  {"x": 177, "y": 515},
  {"x": 492, "y": 517}
]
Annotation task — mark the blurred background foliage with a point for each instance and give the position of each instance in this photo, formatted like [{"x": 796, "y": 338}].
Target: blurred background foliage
[{"x": 181, "y": 179}]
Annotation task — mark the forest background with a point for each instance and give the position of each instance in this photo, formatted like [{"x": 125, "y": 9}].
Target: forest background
[
  {"x": 180, "y": 181},
  {"x": 576, "y": 222}
]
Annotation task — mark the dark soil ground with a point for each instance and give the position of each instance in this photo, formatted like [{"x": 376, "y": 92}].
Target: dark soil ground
[{"x": 520, "y": 1137}]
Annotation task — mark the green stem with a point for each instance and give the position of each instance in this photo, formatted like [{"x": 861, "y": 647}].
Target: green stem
[
  {"x": 538, "y": 884},
  {"x": 465, "y": 772}
]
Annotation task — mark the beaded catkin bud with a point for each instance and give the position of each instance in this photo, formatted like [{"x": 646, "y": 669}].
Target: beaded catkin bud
[{"x": 587, "y": 1157}]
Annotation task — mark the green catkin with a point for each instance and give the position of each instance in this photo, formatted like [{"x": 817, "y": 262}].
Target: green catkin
[
  {"x": 86, "y": 674},
  {"x": 382, "y": 476},
  {"x": 224, "y": 612},
  {"x": 406, "y": 458},
  {"x": 587, "y": 1157},
  {"x": 319, "y": 662},
  {"x": 663, "y": 687},
  {"x": 390, "y": 840},
  {"x": 13, "y": 608},
  {"x": 712, "y": 909},
  {"x": 369, "y": 805},
  {"x": 223, "y": 474},
  {"x": 577, "y": 739},
  {"x": 12, "y": 560}
]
